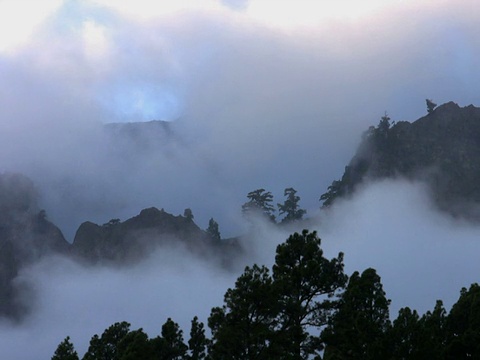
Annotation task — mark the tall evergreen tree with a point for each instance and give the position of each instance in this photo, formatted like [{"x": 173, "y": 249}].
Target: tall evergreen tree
[
  {"x": 65, "y": 351},
  {"x": 405, "y": 335},
  {"x": 358, "y": 329},
  {"x": 244, "y": 327},
  {"x": 106, "y": 346},
  {"x": 135, "y": 345},
  {"x": 198, "y": 342},
  {"x": 463, "y": 325},
  {"x": 213, "y": 230},
  {"x": 170, "y": 345},
  {"x": 306, "y": 282},
  {"x": 433, "y": 333},
  {"x": 290, "y": 207},
  {"x": 259, "y": 203}
]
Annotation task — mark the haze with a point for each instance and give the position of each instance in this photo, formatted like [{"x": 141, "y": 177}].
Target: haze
[{"x": 260, "y": 94}]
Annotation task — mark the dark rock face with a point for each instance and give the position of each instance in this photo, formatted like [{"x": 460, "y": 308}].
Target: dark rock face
[
  {"x": 131, "y": 240},
  {"x": 442, "y": 148},
  {"x": 25, "y": 236}
]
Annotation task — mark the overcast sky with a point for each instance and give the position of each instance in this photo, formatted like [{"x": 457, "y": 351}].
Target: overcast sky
[
  {"x": 265, "y": 94},
  {"x": 262, "y": 93}
]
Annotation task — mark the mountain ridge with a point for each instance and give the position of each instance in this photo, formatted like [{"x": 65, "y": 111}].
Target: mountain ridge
[{"x": 441, "y": 149}]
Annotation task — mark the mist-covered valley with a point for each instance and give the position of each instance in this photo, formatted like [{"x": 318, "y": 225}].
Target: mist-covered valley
[
  {"x": 421, "y": 254},
  {"x": 246, "y": 102}
]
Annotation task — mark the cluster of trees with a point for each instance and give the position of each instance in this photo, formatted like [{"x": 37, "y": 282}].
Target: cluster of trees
[
  {"x": 304, "y": 307},
  {"x": 119, "y": 342},
  {"x": 260, "y": 202}
]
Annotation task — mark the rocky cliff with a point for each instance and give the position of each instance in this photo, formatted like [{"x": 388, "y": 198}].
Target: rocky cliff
[
  {"x": 131, "y": 240},
  {"x": 441, "y": 148}
]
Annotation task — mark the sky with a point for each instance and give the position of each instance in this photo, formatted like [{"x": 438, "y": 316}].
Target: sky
[
  {"x": 260, "y": 94},
  {"x": 263, "y": 95}
]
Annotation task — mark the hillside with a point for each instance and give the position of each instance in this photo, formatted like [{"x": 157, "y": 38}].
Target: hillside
[
  {"x": 441, "y": 148},
  {"x": 26, "y": 236},
  {"x": 130, "y": 241}
]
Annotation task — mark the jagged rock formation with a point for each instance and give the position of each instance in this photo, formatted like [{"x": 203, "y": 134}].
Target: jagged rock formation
[
  {"x": 131, "y": 240},
  {"x": 441, "y": 148}
]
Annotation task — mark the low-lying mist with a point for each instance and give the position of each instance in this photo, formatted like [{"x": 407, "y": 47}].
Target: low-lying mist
[
  {"x": 421, "y": 254},
  {"x": 251, "y": 106},
  {"x": 256, "y": 106}
]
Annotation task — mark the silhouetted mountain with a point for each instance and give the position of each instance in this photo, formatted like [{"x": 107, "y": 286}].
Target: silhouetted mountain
[
  {"x": 441, "y": 148},
  {"x": 26, "y": 236},
  {"x": 131, "y": 240}
]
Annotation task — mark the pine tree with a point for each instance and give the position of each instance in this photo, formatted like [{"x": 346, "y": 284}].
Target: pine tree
[
  {"x": 306, "y": 282},
  {"x": 213, "y": 230},
  {"x": 358, "y": 329},
  {"x": 106, "y": 346},
  {"x": 244, "y": 328},
  {"x": 290, "y": 207},
  {"x": 259, "y": 203},
  {"x": 170, "y": 345},
  {"x": 197, "y": 345},
  {"x": 65, "y": 351},
  {"x": 463, "y": 325}
]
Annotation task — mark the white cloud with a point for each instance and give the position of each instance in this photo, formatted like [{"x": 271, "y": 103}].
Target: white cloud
[
  {"x": 145, "y": 10},
  {"x": 95, "y": 39},
  {"x": 260, "y": 107},
  {"x": 80, "y": 301},
  {"x": 306, "y": 13},
  {"x": 19, "y": 19},
  {"x": 422, "y": 255}
]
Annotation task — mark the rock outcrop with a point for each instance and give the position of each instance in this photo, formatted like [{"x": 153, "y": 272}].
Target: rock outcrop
[
  {"x": 441, "y": 148},
  {"x": 131, "y": 240}
]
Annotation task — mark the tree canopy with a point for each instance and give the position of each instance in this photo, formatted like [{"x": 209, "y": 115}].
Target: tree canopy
[
  {"x": 213, "y": 230},
  {"x": 358, "y": 328},
  {"x": 259, "y": 203},
  {"x": 290, "y": 207},
  {"x": 304, "y": 307}
]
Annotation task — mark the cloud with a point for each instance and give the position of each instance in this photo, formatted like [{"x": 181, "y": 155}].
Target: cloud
[
  {"x": 258, "y": 106},
  {"x": 18, "y": 25},
  {"x": 421, "y": 254},
  {"x": 254, "y": 106},
  {"x": 81, "y": 301}
]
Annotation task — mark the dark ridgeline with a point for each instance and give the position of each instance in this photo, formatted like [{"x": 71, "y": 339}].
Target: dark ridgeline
[
  {"x": 441, "y": 148},
  {"x": 27, "y": 236},
  {"x": 130, "y": 241}
]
